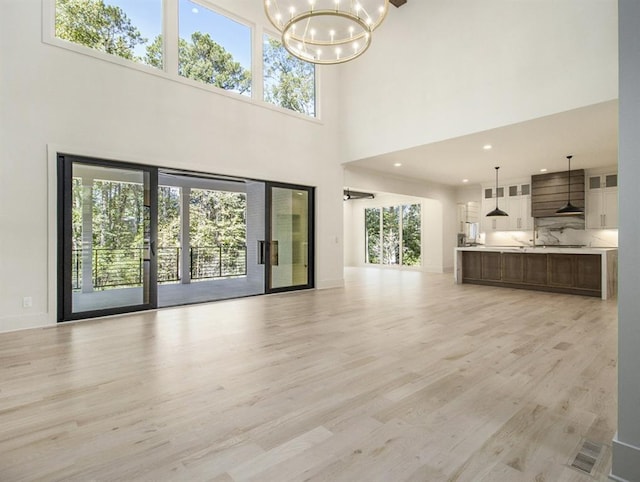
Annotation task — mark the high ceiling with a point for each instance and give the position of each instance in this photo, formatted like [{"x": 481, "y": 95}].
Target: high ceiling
[{"x": 590, "y": 134}]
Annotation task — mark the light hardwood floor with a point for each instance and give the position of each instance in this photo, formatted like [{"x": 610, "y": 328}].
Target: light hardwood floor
[{"x": 398, "y": 376}]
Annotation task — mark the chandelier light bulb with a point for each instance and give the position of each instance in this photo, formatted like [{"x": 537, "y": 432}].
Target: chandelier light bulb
[{"x": 310, "y": 26}]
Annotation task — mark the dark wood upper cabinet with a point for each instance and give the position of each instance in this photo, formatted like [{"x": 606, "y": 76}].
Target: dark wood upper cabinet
[{"x": 549, "y": 192}]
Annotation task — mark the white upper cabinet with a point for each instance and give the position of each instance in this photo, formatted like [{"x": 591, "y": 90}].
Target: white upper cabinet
[
  {"x": 602, "y": 201},
  {"x": 494, "y": 223},
  {"x": 515, "y": 199},
  {"x": 519, "y": 195}
]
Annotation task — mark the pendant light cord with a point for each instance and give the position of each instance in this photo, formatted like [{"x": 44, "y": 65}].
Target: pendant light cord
[
  {"x": 497, "y": 186},
  {"x": 569, "y": 186}
]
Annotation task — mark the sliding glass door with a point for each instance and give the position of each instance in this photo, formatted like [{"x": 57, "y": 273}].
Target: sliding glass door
[
  {"x": 107, "y": 237},
  {"x": 290, "y": 251},
  {"x": 133, "y": 237},
  {"x": 208, "y": 229}
]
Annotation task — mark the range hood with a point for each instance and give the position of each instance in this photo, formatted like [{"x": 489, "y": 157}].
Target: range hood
[{"x": 549, "y": 192}]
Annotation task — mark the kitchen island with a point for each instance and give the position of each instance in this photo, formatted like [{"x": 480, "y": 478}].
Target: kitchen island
[{"x": 573, "y": 270}]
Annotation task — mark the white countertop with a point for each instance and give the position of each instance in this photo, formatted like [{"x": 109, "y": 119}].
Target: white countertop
[{"x": 537, "y": 249}]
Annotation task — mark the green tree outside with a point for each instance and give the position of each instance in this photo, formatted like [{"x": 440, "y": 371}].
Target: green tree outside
[
  {"x": 411, "y": 238},
  {"x": 204, "y": 60},
  {"x": 372, "y": 234},
  {"x": 98, "y": 25},
  {"x": 288, "y": 82},
  {"x": 391, "y": 235},
  {"x": 383, "y": 247}
]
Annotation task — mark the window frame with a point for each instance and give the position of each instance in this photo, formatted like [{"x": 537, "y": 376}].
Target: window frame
[
  {"x": 224, "y": 13},
  {"x": 49, "y": 37},
  {"x": 400, "y": 264},
  {"x": 316, "y": 85},
  {"x": 170, "y": 28}
]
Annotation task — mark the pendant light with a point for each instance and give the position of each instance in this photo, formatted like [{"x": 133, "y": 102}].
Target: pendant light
[
  {"x": 497, "y": 211},
  {"x": 569, "y": 209}
]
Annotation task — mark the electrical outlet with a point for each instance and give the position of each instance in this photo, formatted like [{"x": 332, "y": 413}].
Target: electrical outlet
[{"x": 27, "y": 302}]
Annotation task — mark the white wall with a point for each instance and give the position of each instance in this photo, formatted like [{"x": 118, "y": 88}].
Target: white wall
[
  {"x": 472, "y": 193},
  {"x": 367, "y": 180},
  {"x": 439, "y": 69},
  {"x": 55, "y": 99},
  {"x": 431, "y": 240},
  {"x": 626, "y": 445}
]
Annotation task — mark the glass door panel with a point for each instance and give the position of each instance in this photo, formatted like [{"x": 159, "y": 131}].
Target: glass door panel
[
  {"x": 290, "y": 246},
  {"x": 108, "y": 238},
  {"x": 208, "y": 233}
]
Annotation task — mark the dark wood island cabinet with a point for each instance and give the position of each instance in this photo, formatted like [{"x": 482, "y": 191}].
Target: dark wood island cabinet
[{"x": 563, "y": 272}]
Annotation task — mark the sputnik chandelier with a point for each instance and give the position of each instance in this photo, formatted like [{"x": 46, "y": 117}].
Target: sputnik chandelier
[{"x": 326, "y": 31}]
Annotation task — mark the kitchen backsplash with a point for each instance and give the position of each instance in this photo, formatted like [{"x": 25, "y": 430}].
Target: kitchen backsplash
[{"x": 552, "y": 231}]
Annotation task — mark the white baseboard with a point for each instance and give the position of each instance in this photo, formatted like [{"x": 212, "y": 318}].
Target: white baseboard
[
  {"x": 626, "y": 462},
  {"x": 331, "y": 283},
  {"x": 25, "y": 322}
]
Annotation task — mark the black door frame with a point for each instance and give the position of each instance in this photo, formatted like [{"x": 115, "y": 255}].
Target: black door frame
[
  {"x": 65, "y": 244},
  {"x": 310, "y": 236}
]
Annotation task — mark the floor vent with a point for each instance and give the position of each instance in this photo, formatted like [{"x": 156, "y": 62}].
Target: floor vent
[{"x": 587, "y": 456}]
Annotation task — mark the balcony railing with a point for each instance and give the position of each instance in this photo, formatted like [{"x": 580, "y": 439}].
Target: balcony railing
[{"x": 125, "y": 267}]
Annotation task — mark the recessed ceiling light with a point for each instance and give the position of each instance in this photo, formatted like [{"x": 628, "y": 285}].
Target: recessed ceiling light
[
  {"x": 397, "y": 164},
  {"x": 544, "y": 169},
  {"x": 465, "y": 180},
  {"x": 486, "y": 147}
]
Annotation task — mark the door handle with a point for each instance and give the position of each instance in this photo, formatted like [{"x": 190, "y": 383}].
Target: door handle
[
  {"x": 274, "y": 253},
  {"x": 262, "y": 251},
  {"x": 153, "y": 248}
]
